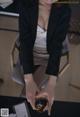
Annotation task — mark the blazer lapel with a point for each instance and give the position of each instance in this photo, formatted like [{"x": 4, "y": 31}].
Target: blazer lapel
[
  {"x": 34, "y": 19},
  {"x": 51, "y": 23}
]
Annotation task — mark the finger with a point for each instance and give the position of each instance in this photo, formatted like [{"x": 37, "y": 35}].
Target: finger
[
  {"x": 49, "y": 110},
  {"x": 45, "y": 109},
  {"x": 31, "y": 100},
  {"x": 32, "y": 105},
  {"x": 49, "y": 107},
  {"x": 42, "y": 94},
  {"x": 52, "y": 100},
  {"x": 29, "y": 97}
]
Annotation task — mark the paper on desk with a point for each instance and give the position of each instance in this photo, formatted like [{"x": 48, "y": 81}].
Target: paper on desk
[
  {"x": 22, "y": 110},
  {"x": 5, "y": 3},
  {"x": 12, "y": 115}
]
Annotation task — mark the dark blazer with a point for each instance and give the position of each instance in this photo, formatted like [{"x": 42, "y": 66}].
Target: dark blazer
[{"x": 57, "y": 28}]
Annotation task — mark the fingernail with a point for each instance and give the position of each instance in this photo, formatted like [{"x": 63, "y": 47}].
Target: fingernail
[
  {"x": 45, "y": 109},
  {"x": 28, "y": 100},
  {"x": 49, "y": 114}
]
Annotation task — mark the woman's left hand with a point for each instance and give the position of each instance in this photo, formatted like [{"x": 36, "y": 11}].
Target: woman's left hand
[{"x": 48, "y": 92}]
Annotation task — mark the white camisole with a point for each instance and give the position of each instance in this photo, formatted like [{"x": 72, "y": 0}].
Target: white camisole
[{"x": 40, "y": 48}]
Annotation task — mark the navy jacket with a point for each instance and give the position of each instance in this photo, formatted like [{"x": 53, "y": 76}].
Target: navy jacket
[{"x": 57, "y": 28}]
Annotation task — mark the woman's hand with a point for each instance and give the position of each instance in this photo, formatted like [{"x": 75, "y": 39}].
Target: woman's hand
[
  {"x": 31, "y": 89},
  {"x": 48, "y": 92}
]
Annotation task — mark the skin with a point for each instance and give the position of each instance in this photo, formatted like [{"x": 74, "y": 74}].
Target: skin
[
  {"x": 32, "y": 90},
  {"x": 44, "y": 12},
  {"x": 48, "y": 1}
]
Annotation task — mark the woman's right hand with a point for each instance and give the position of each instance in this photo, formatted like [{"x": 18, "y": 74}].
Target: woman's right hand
[{"x": 31, "y": 89}]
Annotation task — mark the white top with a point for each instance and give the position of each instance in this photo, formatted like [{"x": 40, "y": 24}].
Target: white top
[
  {"x": 40, "y": 38},
  {"x": 40, "y": 46},
  {"x": 40, "y": 50}
]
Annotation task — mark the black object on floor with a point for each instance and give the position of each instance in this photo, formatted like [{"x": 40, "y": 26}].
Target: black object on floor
[{"x": 59, "y": 108}]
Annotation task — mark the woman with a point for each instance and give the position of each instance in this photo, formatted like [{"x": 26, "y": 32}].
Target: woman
[{"x": 43, "y": 26}]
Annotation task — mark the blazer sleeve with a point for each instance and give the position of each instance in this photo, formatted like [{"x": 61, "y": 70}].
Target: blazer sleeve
[
  {"x": 26, "y": 55},
  {"x": 55, "y": 46}
]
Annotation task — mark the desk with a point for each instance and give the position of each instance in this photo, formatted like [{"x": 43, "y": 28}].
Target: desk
[{"x": 61, "y": 108}]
